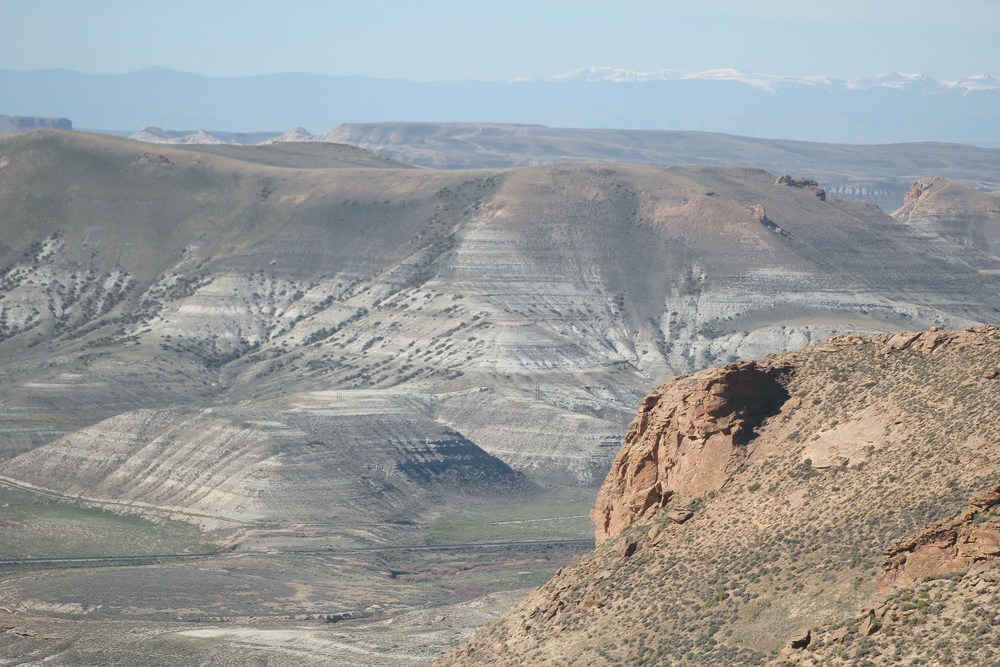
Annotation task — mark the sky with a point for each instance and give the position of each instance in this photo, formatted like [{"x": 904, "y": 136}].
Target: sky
[{"x": 441, "y": 40}]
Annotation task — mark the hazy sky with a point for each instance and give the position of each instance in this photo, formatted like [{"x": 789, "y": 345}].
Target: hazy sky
[{"x": 469, "y": 39}]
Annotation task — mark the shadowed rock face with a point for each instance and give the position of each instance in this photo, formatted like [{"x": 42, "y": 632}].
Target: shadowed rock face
[{"x": 688, "y": 439}]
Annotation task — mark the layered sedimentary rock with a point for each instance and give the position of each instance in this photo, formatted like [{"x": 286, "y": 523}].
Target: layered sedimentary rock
[
  {"x": 952, "y": 212},
  {"x": 527, "y": 310}
]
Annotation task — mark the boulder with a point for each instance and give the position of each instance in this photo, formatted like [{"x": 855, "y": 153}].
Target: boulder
[{"x": 688, "y": 439}]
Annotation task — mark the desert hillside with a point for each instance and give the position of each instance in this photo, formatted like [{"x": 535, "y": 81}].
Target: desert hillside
[
  {"x": 525, "y": 310},
  {"x": 835, "y": 505},
  {"x": 952, "y": 213},
  {"x": 325, "y": 385}
]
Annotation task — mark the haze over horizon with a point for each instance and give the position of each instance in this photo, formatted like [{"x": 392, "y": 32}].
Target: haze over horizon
[{"x": 441, "y": 40}]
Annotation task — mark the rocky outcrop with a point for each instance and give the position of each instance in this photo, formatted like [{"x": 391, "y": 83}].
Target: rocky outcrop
[
  {"x": 689, "y": 438},
  {"x": 29, "y": 123},
  {"x": 954, "y": 214},
  {"x": 807, "y": 184},
  {"x": 919, "y": 189},
  {"x": 156, "y": 135},
  {"x": 952, "y": 562},
  {"x": 820, "y": 461},
  {"x": 299, "y": 134},
  {"x": 949, "y": 545},
  {"x": 759, "y": 214},
  {"x": 202, "y": 136},
  {"x": 761, "y": 217},
  {"x": 153, "y": 135},
  {"x": 933, "y": 340}
]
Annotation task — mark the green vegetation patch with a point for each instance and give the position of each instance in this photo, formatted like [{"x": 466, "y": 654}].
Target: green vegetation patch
[
  {"x": 551, "y": 516},
  {"x": 35, "y": 526}
]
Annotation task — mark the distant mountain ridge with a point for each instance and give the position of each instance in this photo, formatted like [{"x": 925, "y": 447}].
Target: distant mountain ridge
[
  {"x": 29, "y": 123},
  {"x": 879, "y": 174},
  {"x": 879, "y": 109}
]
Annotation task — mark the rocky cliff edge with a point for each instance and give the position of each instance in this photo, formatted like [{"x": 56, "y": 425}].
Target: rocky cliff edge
[{"x": 754, "y": 507}]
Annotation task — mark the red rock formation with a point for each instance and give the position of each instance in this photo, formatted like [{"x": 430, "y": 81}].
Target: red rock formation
[
  {"x": 948, "y": 545},
  {"x": 919, "y": 188},
  {"x": 689, "y": 438},
  {"x": 760, "y": 216}
]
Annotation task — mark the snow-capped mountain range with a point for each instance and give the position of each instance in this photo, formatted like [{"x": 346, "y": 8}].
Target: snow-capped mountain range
[
  {"x": 884, "y": 108},
  {"x": 768, "y": 82}
]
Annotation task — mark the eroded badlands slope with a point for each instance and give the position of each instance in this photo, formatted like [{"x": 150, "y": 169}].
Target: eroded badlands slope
[
  {"x": 953, "y": 213},
  {"x": 351, "y": 473},
  {"x": 520, "y": 313},
  {"x": 835, "y": 505}
]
